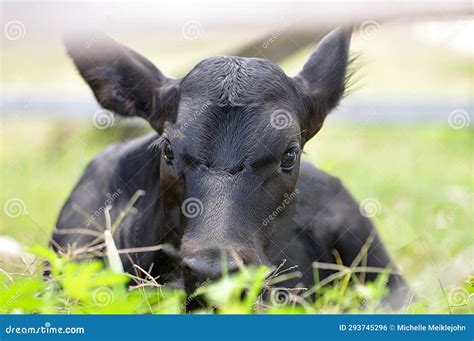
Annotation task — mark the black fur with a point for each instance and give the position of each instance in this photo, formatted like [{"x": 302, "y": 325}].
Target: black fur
[{"x": 219, "y": 147}]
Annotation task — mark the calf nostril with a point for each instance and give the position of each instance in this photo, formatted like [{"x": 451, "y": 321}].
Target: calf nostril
[
  {"x": 195, "y": 264},
  {"x": 209, "y": 268}
]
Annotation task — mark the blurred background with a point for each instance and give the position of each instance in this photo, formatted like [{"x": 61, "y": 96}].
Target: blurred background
[{"x": 402, "y": 142}]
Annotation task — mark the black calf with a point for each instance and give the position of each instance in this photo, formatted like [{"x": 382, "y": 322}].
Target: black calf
[{"x": 224, "y": 173}]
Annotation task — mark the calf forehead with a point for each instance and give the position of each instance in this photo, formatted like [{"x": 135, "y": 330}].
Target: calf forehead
[
  {"x": 227, "y": 136},
  {"x": 236, "y": 81},
  {"x": 226, "y": 107}
]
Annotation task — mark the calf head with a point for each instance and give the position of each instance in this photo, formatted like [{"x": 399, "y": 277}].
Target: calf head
[{"x": 231, "y": 134}]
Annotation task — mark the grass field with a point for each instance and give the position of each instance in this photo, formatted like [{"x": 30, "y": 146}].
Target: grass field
[{"x": 420, "y": 179}]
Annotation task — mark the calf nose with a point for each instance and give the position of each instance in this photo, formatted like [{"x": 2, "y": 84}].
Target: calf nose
[{"x": 209, "y": 264}]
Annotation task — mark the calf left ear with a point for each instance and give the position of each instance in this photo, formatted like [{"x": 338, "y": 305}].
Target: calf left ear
[
  {"x": 123, "y": 81},
  {"x": 323, "y": 80}
]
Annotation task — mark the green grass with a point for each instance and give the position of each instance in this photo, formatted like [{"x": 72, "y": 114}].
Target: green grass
[
  {"x": 420, "y": 176},
  {"x": 91, "y": 287}
]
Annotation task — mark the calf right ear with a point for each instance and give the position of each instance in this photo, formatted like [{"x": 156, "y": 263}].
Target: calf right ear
[
  {"x": 123, "y": 81},
  {"x": 323, "y": 79}
]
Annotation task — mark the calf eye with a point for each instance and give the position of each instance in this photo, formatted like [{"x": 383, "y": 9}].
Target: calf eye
[
  {"x": 289, "y": 159},
  {"x": 168, "y": 153}
]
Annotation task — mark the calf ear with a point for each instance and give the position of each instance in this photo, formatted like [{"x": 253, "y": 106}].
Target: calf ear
[
  {"x": 123, "y": 81},
  {"x": 323, "y": 80}
]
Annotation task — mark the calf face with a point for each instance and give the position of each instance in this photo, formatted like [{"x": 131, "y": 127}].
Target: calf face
[{"x": 231, "y": 135}]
